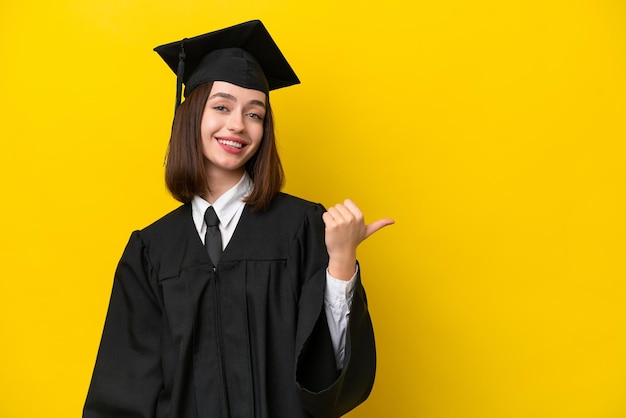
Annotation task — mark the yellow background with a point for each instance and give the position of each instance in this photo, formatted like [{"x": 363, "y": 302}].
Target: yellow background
[{"x": 492, "y": 131}]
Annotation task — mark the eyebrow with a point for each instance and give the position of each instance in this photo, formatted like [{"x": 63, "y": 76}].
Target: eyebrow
[{"x": 234, "y": 99}]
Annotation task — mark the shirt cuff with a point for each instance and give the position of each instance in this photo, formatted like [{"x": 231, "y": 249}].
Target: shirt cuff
[{"x": 337, "y": 290}]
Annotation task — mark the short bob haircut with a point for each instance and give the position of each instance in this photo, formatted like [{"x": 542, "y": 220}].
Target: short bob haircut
[{"x": 185, "y": 168}]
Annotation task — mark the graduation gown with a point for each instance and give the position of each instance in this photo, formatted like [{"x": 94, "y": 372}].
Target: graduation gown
[{"x": 247, "y": 338}]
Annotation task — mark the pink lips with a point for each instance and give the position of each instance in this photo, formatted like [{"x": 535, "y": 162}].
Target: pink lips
[{"x": 228, "y": 144}]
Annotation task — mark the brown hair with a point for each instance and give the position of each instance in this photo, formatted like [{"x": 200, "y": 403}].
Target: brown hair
[{"x": 185, "y": 172}]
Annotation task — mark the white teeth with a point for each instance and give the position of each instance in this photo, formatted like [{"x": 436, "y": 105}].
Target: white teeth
[{"x": 230, "y": 143}]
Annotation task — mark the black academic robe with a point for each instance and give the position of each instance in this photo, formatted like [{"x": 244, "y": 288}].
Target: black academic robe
[{"x": 248, "y": 338}]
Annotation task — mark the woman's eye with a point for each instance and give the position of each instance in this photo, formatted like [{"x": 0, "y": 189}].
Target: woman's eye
[
  {"x": 255, "y": 116},
  {"x": 220, "y": 108}
]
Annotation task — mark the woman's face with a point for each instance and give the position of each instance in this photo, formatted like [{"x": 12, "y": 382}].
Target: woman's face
[{"x": 231, "y": 128}]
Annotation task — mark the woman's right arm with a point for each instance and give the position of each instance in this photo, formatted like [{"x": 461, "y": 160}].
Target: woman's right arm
[{"x": 127, "y": 377}]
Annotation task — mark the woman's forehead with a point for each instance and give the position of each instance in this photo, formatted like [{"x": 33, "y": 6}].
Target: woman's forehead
[{"x": 236, "y": 92}]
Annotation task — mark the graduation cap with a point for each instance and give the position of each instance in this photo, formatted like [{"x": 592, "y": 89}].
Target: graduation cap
[{"x": 244, "y": 55}]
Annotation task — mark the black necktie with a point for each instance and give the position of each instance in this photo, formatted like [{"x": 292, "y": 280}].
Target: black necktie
[{"x": 213, "y": 237}]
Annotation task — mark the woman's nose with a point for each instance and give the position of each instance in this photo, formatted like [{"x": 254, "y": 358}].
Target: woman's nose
[{"x": 235, "y": 122}]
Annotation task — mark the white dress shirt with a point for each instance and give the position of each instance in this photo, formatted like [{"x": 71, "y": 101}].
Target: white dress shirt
[{"x": 337, "y": 293}]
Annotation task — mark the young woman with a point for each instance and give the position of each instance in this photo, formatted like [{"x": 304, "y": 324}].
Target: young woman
[{"x": 244, "y": 301}]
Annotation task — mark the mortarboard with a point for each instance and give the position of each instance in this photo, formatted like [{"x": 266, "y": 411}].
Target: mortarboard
[{"x": 244, "y": 55}]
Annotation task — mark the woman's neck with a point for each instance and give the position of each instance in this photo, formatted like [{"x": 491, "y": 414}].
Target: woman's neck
[{"x": 220, "y": 183}]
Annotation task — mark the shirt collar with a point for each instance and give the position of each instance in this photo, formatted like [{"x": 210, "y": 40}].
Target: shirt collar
[{"x": 225, "y": 206}]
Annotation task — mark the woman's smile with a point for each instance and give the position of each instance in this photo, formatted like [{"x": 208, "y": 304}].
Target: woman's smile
[{"x": 231, "y": 144}]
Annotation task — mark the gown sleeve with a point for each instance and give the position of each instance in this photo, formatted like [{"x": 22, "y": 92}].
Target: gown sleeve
[
  {"x": 325, "y": 391},
  {"x": 127, "y": 377}
]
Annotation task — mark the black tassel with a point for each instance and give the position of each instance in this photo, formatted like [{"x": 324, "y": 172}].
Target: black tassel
[{"x": 180, "y": 72}]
